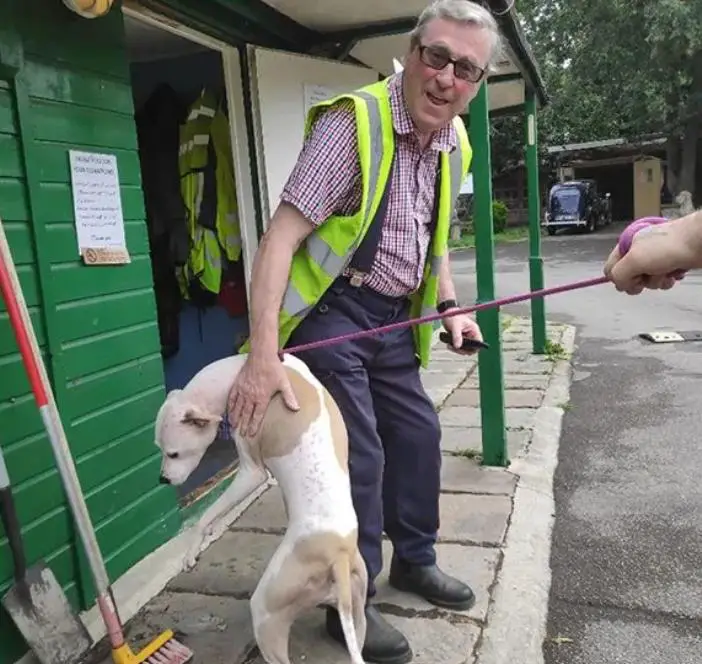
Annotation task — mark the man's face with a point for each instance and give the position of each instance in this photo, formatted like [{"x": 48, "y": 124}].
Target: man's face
[{"x": 435, "y": 96}]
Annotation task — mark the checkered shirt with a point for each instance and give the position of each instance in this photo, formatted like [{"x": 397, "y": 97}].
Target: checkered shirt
[{"x": 326, "y": 181}]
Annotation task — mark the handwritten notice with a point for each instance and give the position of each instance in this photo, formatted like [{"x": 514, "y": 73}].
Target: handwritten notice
[
  {"x": 97, "y": 206},
  {"x": 313, "y": 94}
]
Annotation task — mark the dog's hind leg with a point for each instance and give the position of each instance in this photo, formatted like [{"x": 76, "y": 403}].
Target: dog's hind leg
[
  {"x": 271, "y": 630},
  {"x": 359, "y": 590},
  {"x": 290, "y": 585},
  {"x": 248, "y": 478}
]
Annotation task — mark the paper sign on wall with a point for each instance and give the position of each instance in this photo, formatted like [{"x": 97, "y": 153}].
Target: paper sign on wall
[
  {"x": 313, "y": 94},
  {"x": 97, "y": 207},
  {"x": 467, "y": 186}
]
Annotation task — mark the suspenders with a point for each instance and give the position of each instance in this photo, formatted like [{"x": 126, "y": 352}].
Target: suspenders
[{"x": 362, "y": 260}]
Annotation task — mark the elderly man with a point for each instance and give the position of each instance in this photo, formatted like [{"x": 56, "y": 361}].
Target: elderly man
[{"x": 358, "y": 241}]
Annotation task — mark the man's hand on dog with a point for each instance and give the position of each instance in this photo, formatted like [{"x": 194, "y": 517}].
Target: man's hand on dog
[{"x": 259, "y": 379}]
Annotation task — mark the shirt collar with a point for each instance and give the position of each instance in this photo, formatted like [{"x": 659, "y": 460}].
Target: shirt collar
[{"x": 443, "y": 140}]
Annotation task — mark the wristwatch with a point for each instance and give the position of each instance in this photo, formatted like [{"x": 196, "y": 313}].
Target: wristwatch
[{"x": 445, "y": 305}]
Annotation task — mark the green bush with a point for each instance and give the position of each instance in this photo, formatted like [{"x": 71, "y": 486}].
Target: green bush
[
  {"x": 499, "y": 216},
  {"x": 499, "y": 219}
]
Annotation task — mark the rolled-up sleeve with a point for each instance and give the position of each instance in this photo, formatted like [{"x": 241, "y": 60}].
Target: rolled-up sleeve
[{"x": 326, "y": 178}]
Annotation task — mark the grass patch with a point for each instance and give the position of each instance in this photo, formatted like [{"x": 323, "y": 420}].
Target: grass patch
[
  {"x": 516, "y": 234},
  {"x": 506, "y": 322},
  {"x": 555, "y": 351},
  {"x": 475, "y": 455}
]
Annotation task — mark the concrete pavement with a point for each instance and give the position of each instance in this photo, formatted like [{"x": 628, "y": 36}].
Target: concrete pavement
[{"x": 495, "y": 534}]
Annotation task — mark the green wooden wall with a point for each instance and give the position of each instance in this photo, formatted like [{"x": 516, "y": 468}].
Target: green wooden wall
[{"x": 64, "y": 83}]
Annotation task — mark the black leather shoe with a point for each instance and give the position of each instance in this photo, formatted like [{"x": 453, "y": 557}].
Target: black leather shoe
[
  {"x": 431, "y": 584},
  {"x": 384, "y": 644}
]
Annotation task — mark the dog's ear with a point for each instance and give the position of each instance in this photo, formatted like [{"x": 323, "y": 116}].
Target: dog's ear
[{"x": 198, "y": 417}]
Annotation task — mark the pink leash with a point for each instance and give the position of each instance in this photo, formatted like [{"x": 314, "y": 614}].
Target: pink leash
[
  {"x": 463, "y": 310},
  {"x": 624, "y": 244}
]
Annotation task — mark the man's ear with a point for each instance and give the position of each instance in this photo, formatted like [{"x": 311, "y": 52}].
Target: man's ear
[{"x": 198, "y": 417}]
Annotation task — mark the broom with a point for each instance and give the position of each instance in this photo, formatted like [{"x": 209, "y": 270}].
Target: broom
[{"x": 164, "y": 649}]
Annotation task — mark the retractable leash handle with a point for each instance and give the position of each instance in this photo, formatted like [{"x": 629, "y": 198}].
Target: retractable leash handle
[
  {"x": 628, "y": 234},
  {"x": 643, "y": 225}
]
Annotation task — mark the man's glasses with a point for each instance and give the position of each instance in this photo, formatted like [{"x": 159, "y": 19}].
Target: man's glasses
[{"x": 437, "y": 57}]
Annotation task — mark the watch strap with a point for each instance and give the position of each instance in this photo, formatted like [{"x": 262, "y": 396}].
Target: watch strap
[{"x": 445, "y": 305}]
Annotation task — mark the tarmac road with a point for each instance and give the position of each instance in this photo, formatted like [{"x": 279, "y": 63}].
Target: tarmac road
[{"x": 627, "y": 542}]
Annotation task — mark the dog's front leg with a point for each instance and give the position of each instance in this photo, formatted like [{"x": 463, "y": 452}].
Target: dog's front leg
[{"x": 248, "y": 478}]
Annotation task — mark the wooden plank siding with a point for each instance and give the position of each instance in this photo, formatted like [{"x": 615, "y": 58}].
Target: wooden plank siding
[{"x": 96, "y": 325}]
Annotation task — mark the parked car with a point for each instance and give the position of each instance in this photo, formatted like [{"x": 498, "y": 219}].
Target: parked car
[{"x": 577, "y": 204}]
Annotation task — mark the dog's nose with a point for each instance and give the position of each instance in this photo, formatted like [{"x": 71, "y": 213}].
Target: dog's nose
[{"x": 163, "y": 480}]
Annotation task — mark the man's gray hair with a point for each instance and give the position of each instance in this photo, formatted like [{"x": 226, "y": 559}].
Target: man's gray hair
[{"x": 461, "y": 11}]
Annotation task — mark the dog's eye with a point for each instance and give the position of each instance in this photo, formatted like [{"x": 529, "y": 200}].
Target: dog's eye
[{"x": 173, "y": 455}]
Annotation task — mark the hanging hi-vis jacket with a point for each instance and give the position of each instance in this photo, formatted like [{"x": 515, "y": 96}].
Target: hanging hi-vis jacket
[
  {"x": 209, "y": 192},
  {"x": 328, "y": 249}
]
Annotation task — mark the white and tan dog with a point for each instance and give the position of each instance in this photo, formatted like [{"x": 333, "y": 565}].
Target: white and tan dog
[{"x": 317, "y": 562}]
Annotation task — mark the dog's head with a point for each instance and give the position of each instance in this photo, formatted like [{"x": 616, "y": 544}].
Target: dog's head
[{"x": 184, "y": 431}]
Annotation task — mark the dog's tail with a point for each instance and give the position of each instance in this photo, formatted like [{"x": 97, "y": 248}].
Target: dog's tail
[{"x": 341, "y": 572}]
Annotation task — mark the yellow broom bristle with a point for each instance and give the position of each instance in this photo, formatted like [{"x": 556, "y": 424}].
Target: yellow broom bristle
[{"x": 164, "y": 649}]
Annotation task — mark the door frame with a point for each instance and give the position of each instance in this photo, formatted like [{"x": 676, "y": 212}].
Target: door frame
[{"x": 241, "y": 150}]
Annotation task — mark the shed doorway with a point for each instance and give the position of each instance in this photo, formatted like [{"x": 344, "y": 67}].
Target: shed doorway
[{"x": 187, "y": 94}]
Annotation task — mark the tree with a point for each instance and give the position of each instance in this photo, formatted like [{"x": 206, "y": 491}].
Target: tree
[{"x": 618, "y": 68}]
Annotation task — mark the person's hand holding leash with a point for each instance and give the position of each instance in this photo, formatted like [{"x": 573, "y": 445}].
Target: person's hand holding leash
[
  {"x": 654, "y": 254},
  {"x": 460, "y": 327},
  {"x": 258, "y": 381}
]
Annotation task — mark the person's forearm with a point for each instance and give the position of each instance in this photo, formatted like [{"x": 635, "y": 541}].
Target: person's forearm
[
  {"x": 447, "y": 291},
  {"x": 269, "y": 276},
  {"x": 690, "y": 228}
]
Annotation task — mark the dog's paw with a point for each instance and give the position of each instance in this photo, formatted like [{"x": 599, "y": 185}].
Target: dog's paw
[
  {"x": 191, "y": 559},
  {"x": 193, "y": 553},
  {"x": 213, "y": 532}
]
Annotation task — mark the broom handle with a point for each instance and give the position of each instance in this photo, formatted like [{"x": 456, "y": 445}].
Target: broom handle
[{"x": 41, "y": 387}]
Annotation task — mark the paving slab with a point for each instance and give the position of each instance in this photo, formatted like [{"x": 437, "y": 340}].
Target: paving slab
[
  {"x": 460, "y": 474},
  {"x": 514, "y": 381},
  {"x": 474, "y": 519},
  {"x": 440, "y": 384},
  {"x": 432, "y": 640},
  {"x": 232, "y": 568},
  {"x": 519, "y": 398},
  {"x": 460, "y": 416},
  {"x": 517, "y": 343},
  {"x": 266, "y": 515},
  {"x": 469, "y": 416},
  {"x": 527, "y": 365},
  {"x": 217, "y": 629},
  {"x": 474, "y": 565},
  {"x": 469, "y": 439}
]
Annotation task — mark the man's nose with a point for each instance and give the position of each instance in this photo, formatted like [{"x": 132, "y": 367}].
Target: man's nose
[
  {"x": 446, "y": 77},
  {"x": 163, "y": 480}
]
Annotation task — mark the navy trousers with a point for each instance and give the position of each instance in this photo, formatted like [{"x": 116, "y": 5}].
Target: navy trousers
[{"x": 394, "y": 433}]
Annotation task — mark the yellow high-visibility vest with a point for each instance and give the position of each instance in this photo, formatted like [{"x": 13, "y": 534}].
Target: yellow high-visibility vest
[
  {"x": 328, "y": 249},
  {"x": 213, "y": 222}
]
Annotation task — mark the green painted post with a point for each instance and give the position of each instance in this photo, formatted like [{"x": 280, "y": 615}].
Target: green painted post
[
  {"x": 492, "y": 408},
  {"x": 536, "y": 261}
]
